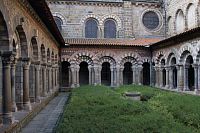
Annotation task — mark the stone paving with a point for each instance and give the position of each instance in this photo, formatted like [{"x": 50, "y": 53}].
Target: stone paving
[{"x": 46, "y": 120}]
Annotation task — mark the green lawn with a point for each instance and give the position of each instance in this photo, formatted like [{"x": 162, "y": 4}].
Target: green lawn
[{"x": 100, "y": 109}]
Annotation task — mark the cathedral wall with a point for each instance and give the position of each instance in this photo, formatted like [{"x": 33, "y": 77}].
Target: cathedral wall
[{"x": 128, "y": 17}]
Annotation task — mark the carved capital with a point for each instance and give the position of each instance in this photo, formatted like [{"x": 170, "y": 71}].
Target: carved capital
[{"x": 7, "y": 59}]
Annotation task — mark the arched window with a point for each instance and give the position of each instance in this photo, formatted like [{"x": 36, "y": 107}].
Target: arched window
[
  {"x": 58, "y": 22},
  {"x": 109, "y": 29},
  {"x": 91, "y": 28},
  {"x": 180, "y": 22},
  {"x": 191, "y": 16}
]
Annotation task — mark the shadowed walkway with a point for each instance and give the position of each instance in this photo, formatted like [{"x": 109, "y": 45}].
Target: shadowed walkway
[{"x": 46, "y": 120}]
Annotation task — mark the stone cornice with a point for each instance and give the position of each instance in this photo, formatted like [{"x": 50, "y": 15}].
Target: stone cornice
[
  {"x": 103, "y": 3},
  {"x": 86, "y": 3},
  {"x": 26, "y": 6}
]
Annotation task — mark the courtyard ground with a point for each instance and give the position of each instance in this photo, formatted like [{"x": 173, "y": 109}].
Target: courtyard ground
[{"x": 101, "y": 109}]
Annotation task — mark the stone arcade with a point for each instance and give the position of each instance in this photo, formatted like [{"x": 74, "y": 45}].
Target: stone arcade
[{"x": 96, "y": 42}]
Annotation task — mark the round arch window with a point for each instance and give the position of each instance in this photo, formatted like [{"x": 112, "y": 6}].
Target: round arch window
[{"x": 150, "y": 20}]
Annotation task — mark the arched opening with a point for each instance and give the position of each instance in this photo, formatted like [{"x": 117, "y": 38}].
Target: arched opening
[
  {"x": 91, "y": 28},
  {"x": 127, "y": 73},
  {"x": 34, "y": 47},
  {"x": 83, "y": 73},
  {"x": 189, "y": 62},
  {"x": 146, "y": 73},
  {"x": 180, "y": 22},
  {"x": 43, "y": 53},
  {"x": 163, "y": 72},
  {"x": 106, "y": 74},
  {"x": 109, "y": 29},
  {"x": 48, "y": 55},
  {"x": 59, "y": 22},
  {"x": 191, "y": 22},
  {"x": 52, "y": 57},
  {"x": 174, "y": 73},
  {"x": 65, "y": 74},
  {"x": 4, "y": 39}
]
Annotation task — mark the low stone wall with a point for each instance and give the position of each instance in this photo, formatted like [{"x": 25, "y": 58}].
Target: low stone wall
[{"x": 17, "y": 126}]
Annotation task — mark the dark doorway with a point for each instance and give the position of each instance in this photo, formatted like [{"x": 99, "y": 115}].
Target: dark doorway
[
  {"x": 84, "y": 74},
  {"x": 174, "y": 78},
  {"x": 127, "y": 74},
  {"x": 164, "y": 77},
  {"x": 65, "y": 74},
  {"x": 146, "y": 73},
  {"x": 189, "y": 61},
  {"x": 106, "y": 74}
]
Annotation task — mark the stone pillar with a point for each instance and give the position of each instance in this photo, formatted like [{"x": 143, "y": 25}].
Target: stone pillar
[
  {"x": 13, "y": 89},
  {"x": 161, "y": 77},
  {"x": 99, "y": 73},
  {"x": 73, "y": 77},
  {"x": 134, "y": 74},
  {"x": 171, "y": 77},
  {"x": 195, "y": 77},
  {"x": 49, "y": 80},
  {"x": 140, "y": 74},
  {"x": 198, "y": 77},
  {"x": 180, "y": 77},
  {"x": 90, "y": 74},
  {"x": 77, "y": 76},
  {"x": 157, "y": 77},
  {"x": 186, "y": 78},
  {"x": 26, "y": 99},
  {"x": 112, "y": 76},
  {"x": 96, "y": 75},
  {"x": 115, "y": 77},
  {"x": 121, "y": 75},
  {"x": 37, "y": 83},
  {"x": 70, "y": 77},
  {"x": 44, "y": 90},
  {"x": 167, "y": 77},
  {"x": 118, "y": 76},
  {"x": 7, "y": 59}
]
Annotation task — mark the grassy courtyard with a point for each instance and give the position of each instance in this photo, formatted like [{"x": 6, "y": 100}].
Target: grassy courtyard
[{"x": 100, "y": 109}]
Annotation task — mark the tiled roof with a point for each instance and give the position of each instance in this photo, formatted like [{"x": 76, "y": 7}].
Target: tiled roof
[
  {"x": 114, "y": 42},
  {"x": 181, "y": 37}
]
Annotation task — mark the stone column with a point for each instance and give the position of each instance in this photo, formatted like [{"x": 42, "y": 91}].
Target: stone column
[
  {"x": 118, "y": 76},
  {"x": 121, "y": 75},
  {"x": 70, "y": 77},
  {"x": 90, "y": 74},
  {"x": 134, "y": 74},
  {"x": 44, "y": 90},
  {"x": 50, "y": 80},
  {"x": 112, "y": 76},
  {"x": 13, "y": 89},
  {"x": 140, "y": 74},
  {"x": 180, "y": 77},
  {"x": 37, "y": 84},
  {"x": 195, "y": 77},
  {"x": 161, "y": 77},
  {"x": 7, "y": 59},
  {"x": 115, "y": 77},
  {"x": 198, "y": 77},
  {"x": 167, "y": 77},
  {"x": 96, "y": 76},
  {"x": 186, "y": 78},
  {"x": 26, "y": 99},
  {"x": 99, "y": 73},
  {"x": 77, "y": 76},
  {"x": 157, "y": 77},
  {"x": 73, "y": 77},
  {"x": 171, "y": 77}
]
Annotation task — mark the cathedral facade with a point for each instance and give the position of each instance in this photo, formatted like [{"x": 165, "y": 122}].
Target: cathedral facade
[{"x": 59, "y": 44}]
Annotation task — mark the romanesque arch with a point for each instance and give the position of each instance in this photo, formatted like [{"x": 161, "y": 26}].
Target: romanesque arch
[
  {"x": 108, "y": 65},
  {"x": 43, "y": 53},
  {"x": 180, "y": 21},
  {"x": 34, "y": 47},
  {"x": 191, "y": 16},
  {"x": 4, "y": 39}
]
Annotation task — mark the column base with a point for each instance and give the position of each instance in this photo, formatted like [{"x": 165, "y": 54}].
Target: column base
[
  {"x": 72, "y": 86},
  {"x": 8, "y": 118},
  {"x": 27, "y": 106},
  {"x": 77, "y": 85},
  {"x": 38, "y": 100},
  {"x": 14, "y": 107},
  {"x": 196, "y": 91}
]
